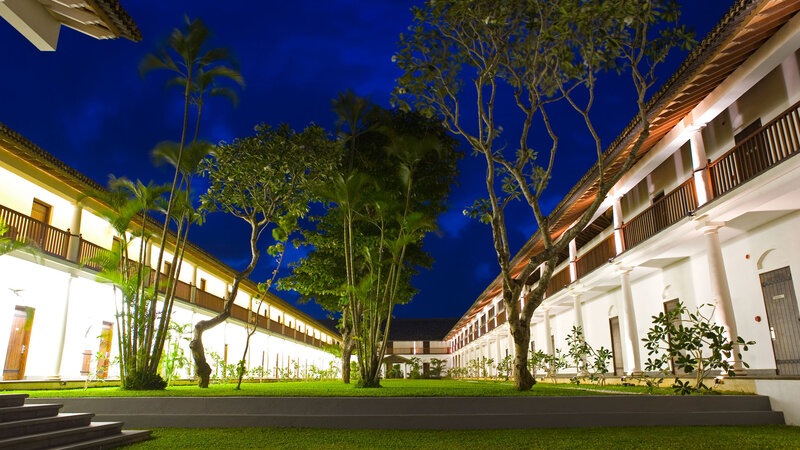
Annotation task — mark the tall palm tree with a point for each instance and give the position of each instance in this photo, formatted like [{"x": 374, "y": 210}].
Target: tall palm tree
[{"x": 195, "y": 70}]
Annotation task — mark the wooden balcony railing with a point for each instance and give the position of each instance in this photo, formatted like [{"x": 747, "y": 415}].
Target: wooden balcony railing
[
  {"x": 771, "y": 144},
  {"x": 87, "y": 252},
  {"x": 558, "y": 281},
  {"x": 24, "y": 228},
  {"x": 208, "y": 301},
  {"x": 418, "y": 351},
  {"x": 664, "y": 212},
  {"x": 596, "y": 256}
]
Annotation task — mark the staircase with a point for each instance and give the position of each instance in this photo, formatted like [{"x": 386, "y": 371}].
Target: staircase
[{"x": 42, "y": 426}]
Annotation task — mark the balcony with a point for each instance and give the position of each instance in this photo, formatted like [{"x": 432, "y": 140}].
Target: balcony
[
  {"x": 418, "y": 351},
  {"x": 55, "y": 242},
  {"x": 47, "y": 238},
  {"x": 772, "y": 144}
]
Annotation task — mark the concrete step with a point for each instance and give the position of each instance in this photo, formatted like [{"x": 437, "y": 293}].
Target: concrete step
[
  {"x": 42, "y": 424},
  {"x": 430, "y": 412},
  {"x": 457, "y": 421},
  {"x": 126, "y": 437},
  {"x": 7, "y": 400},
  {"x": 24, "y": 412},
  {"x": 50, "y": 439},
  {"x": 411, "y": 405}
]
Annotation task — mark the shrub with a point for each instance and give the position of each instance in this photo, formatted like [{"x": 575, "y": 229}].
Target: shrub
[
  {"x": 693, "y": 345},
  {"x": 143, "y": 381}
]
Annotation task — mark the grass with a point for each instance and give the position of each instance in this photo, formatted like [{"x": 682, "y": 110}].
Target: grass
[
  {"x": 721, "y": 437},
  {"x": 391, "y": 388}
]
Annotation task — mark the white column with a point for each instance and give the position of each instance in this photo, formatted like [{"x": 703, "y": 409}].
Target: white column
[
  {"x": 573, "y": 257},
  {"x": 702, "y": 181},
  {"x": 631, "y": 332},
  {"x": 720, "y": 291},
  {"x": 576, "y": 308},
  {"x": 74, "y": 243},
  {"x": 547, "y": 333},
  {"x": 58, "y": 362},
  {"x": 618, "y": 237}
]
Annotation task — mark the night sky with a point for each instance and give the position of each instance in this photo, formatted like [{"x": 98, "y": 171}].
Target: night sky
[{"x": 87, "y": 105}]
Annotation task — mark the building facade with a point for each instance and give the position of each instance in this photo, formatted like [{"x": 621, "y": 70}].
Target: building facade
[
  {"x": 709, "y": 214},
  {"x": 55, "y": 316}
]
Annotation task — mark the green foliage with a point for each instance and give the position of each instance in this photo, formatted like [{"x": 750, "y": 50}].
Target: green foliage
[
  {"x": 505, "y": 366},
  {"x": 590, "y": 363},
  {"x": 692, "y": 343},
  {"x": 551, "y": 364},
  {"x": 461, "y": 59},
  {"x": 416, "y": 369},
  {"x": 144, "y": 380},
  {"x": 174, "y": 358},
  {"x": 437, "y": 367},
  {"x": 393, "y": 174},
  {"x": 396, "y": 372}
]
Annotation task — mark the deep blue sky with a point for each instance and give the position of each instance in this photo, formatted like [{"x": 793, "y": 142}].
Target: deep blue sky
[{"x": 87, "y": 105}]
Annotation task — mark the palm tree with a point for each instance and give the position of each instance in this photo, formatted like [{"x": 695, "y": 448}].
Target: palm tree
[{"x": 195, "y": 69}]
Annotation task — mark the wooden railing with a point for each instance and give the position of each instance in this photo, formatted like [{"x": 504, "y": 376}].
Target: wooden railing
[
  {"x": 558, "y": 281},
  {"x": 771, "y": 144},
  {"x": 596, "y": 256},
  {"x": 24, "y": 228},
  {"x": 664, "y": 212},
  {"x": 89, "y": 251},
  {"x": 419, "y": 351}
]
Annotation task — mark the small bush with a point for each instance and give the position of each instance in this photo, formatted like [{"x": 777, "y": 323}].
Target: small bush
[{"x": 144, "y": 381}]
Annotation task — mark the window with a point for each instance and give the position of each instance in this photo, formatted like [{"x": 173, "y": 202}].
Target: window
[
  {"x": 41, "y": 211},
  {"x": 117, "y": 245},
  {"x": 202, "y": 285}
]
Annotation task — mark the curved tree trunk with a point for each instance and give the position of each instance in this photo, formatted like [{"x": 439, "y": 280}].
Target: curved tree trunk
[{"x": 196, "y": 345}]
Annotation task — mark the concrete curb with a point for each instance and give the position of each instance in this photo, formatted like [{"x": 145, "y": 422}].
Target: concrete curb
[{"x": 446, "y": 413}]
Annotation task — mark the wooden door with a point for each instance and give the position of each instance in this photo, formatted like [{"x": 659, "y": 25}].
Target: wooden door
[
  {"x": 104, "y": 353},
  {"x": 41, "y": 213},
  {"x": 17, "y": 353},
  {"x": 783, "y": 318},
  {"x": 616, "y": 346}
]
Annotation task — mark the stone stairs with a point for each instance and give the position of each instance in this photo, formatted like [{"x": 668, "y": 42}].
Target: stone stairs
[
  {"x": 35, "y": 426},
  {"x": 444, "y": 413}
]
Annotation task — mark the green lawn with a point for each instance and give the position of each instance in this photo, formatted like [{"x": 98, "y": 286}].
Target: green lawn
[
  {"x": 391, "y": 388},
  {"x": 741, "y": 437}
]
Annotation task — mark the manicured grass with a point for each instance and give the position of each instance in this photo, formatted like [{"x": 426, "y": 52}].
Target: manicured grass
[
  {"x": 742, "y": 437},
  {"x": 391, "y": 388}
]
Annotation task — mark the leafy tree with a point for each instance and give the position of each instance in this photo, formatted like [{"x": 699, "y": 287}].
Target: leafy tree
[
  {"x": 539, "y": 55},
  {"x": 130, "y": 202},
  {"x": 196, "y": 70},
  {"x": 392, "y": 184},
  {"x": 266, "y": 180}
]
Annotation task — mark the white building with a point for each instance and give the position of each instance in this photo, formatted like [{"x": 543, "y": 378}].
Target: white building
[
  {"x": 54, "y": 314},
  {"x": 709, "y": 213}
]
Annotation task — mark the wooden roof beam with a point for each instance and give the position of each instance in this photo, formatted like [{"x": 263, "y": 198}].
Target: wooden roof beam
[{"x": 78, "y": 15}]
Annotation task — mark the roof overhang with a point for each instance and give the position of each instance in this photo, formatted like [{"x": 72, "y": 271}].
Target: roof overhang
[
  {"x": 740, "y": 33},
  {"x": 40, "y": 21}
]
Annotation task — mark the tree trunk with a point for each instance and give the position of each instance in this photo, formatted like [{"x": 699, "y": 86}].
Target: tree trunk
[
  {"x": 347, "y": 353},
  {"x": 199, "y": 355},
  {"x": 523, "y": 380}
]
